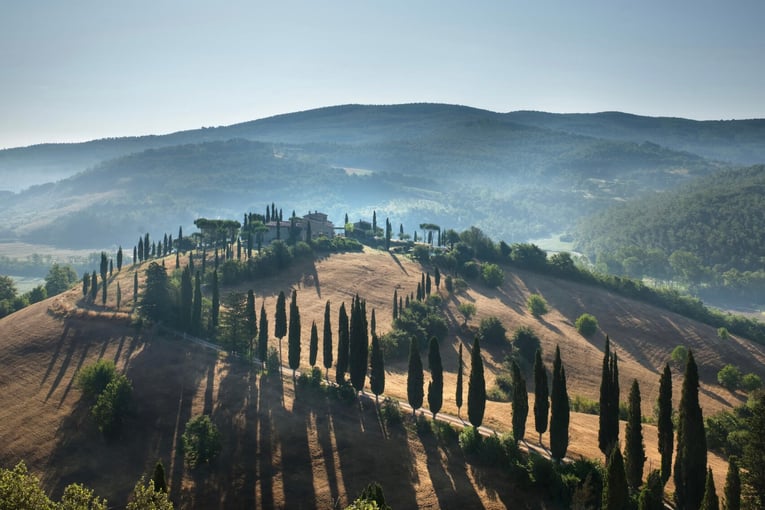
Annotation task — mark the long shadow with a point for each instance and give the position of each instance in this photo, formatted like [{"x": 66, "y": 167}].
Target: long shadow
[
  {"x": 209, "y": 389},
  {"x": 119, "y": 349},
  {"x": 315, "y": 279},
  {"x": 56, "y": 353},
  {"x": 324, "y": 432},
  {"x": 398, "y": 262},
  {"x": 265, "y": 467},
  {"x": 297, "y": 466},
  {"x": 453, "y": 489},
  {"x": 72, "y": 379},
  {"x": 64, "y": 367}
]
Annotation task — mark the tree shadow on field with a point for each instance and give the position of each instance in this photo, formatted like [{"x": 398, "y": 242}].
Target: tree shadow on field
[
  {"x": 453, "y": 488},
  {"x": 54, "y": 358},
  {"x": 270, "y": 392},
  {"x": 291, "y": 431},
  {"x": 398, "y": 262}
]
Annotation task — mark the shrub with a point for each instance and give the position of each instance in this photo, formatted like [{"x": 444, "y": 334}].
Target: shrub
[
  {"x": 344, "y": 393},
  {"x": 112, "y": 405},
  {"x": 580, "y": 404},
  {"x": 751, "y": 382},
  {"x": 492, "y": 332},
  {"x": 722, "y": 333},
  {"x": 526, "y": 343},
  {"x": 272, "y": 361},
  {"x": 201, "y": 441},
  {"x": 679, "y": 355},
  {"x": 492, "y": 451},
  {"x": 460, "y": 285},
  {"x": 470, "y": 441},
  {"x": 471, "y": 270},
  {"x": 537, "y": 305},
  {"x": 586, "y": 325},
  {"x": 423, "y": 425},
  {"x": 510, "y": 447},
  {"x": 94, "y": 378},
  {"x": 395, "y": 344},
  {"x": 445, "y": 433},
  {"x": 729, "y": 377},
  {"x": 492, "y": 275},
  {"x": 390, "y": 412},
  {"x": 505, "y": 383}
]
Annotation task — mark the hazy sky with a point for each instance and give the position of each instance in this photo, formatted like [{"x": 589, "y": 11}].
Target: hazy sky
[{"x": 82, "y": 69}]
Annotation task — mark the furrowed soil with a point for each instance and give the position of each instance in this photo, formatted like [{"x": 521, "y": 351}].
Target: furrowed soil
[{"x": 314, "y": 452}]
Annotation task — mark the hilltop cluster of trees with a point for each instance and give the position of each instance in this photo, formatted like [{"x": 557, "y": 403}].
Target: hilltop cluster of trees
[{"x": 59, "y": 278}]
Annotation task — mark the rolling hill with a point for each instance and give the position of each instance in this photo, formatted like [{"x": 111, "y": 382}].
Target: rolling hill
[{"x": 280, "y": 451}]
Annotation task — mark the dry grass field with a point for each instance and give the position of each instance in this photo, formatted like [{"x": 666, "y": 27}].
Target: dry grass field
[{"x": 279, "y": 452}]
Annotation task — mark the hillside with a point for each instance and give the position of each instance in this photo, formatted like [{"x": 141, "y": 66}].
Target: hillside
[{"x": 279, "y": 452}]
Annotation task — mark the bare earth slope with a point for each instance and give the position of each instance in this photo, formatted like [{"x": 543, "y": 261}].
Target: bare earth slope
[{"x": 269, "y": 438}]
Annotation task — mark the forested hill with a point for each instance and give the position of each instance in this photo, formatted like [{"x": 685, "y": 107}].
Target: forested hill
[
  {"x": 710, "y": 230},
  {"x": 734, "y": 141}
]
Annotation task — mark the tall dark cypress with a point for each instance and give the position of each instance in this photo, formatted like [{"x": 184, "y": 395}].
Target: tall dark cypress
[
  {"x": 691, "y": 458},
  {"x": 343, "y": 342},
  {"x": 85, "y": 284},
  {"x": 615, "y": 491},
  {"x": 93, "y": 286},
  {"x": 665, "y": 426},
  {"x": 476, "y": 401},
  {"x": 196, "y": 311},
  {"x": 187, "y": 297},
  {"x": 436, "y": 384},
  {"x": 559, "y": 410},
  {"x": 252, "y": 321},
  {"x": 119, "y": 259},
  {"x": 327, "y": 341},
  {"x": 160, "y": 483},
  {"x": 313, "y": 345},
  {"x": 395, "y": 305},
  {"x": 263, "y": 334},
  {"x": 428, "y": 285},
  {"x": 541, "y": 395},
  {"x": 215, "y": 310},
  {"x": 146, "y": 246},
  {"x": 458, "y": 392},
  {"x": 104, "y": 283},
  {"x": 652, "y": 494},
  {"x": 376, "y": 368},
  {"x": 294, "y": 335},
  {"x": 140, "y": 249},
  {"x": 710, "y": 500},
  {"x": 520, "y": 403},
  {"x": 359, "y": 344},
  {"x": 415, "y": 378},
  {"x": 135, "y": 289},
  {"x": 135, "y": 255},
  {"x": 752, "y": 459},
  {"x": 733, "y": 485},
  {"x": 608, "y": 432},
  {"x": 280, "y": 320},
  {"x": 634, "y": 449},
  {"x": 437, "y": 278}
]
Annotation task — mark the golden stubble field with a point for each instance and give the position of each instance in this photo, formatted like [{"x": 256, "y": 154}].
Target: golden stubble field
[{"x": 279, "y": 452}]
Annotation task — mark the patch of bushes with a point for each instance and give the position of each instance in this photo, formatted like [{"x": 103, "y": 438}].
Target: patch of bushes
[
  {"x": 492, "y": 332},
  {"x": 201, "y": 441},
  {"x": 343, "y": 393},
  {"x": 492, "y": 275},
  {"x": 537, "y": 305},
  {"x": 580, "y": 404},
  {"x": 273, "y": 365},
  {"x": 94, "y": 378},
  {"x": 586, "y": 325},
  {"x": 470, "y": 441},
  {"x": 525, "y": 344},
  {"x": 390, "y": 412}
]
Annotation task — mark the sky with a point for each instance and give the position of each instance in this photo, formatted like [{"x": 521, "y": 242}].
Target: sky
[{"x": 77, "y": 70}]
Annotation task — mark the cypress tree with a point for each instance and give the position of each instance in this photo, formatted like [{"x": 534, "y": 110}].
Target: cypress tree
[
  {"x": 294, "y": 335},
  {"x": 119, "y": 296},
  {"x": 135, "y": 256},
  {"x": 634, "y": 449},
  {"x": 710, "y": 501},
  {"x": 263, "y": 335},
  {"x": 215, "y": 311},
  {"x": 419, "y": 292},
  {"x": 733, "y": 486},
  {"x": 252, "y": 321},
  {"x": 436, "y": 384},
  {"x": 476, "y": 401},
  {"x": 119, "y": 259},
  {"x": 520, "y": 403},
  {"x": 93, "y": 286},
  {"x": 664, "y": 423},
  {"x": 146, "y": 246},
  {"x": 135, "y": 289},
  {"x": 327, "y": 341},
  {"x": 753, "y": 460},
  {"x": 111, "y": 267},
  {"x": 652, "y": 494},
  {"x": 359, "y": 344},
  {"x": 427, "y": 285},
  {"x": 187, "y": 295},
  {"x": 313, "y": 345},
  {"x": 415, "y": 378},
  {"x": 608, "y": 420},
  {"x": 541, "y": 395},
  {"x": 103, "y": 292},
  {"x": 343, "y": 342},
  {"x": 280, "y": 320},
  {"x": 376, "y": 368},
  {"x": 691, "y": 457},
  {"x": 437, "y": 277},
  {"x": 395, "y": 305},
  {"x": 160, "y": 483},
  {"x": 196, "y": 308},
  {"x": 615, "y": 492},
  {"x": 559, "y": 411},
  {"x": 140, "y": 249},
  {"x": 177, "y": 260},
  {"x": 104, "y": 265},
  {"x": 180, "y": 237},
  {"x": 373, "y": 322},
  {"x": 85, "y": 284},
  {"x": 458, "y": 393}
]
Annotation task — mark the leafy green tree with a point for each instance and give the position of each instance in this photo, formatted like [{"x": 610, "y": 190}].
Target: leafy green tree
[
  {"x": 146, "y": 497},
  {"x": 21, "y": 490},
  {"x": 59, "y": 279},
  {"x": 537, "y": 305},
  {"x": 196, "y": 308},
  {"x": 201, "y": 441},
  {"x": 376, "y": 368},
  {"x": 476, "y": 386},
  {"x": 263, "y": 334},
  {"x": 492, "y": 332},
  {"x": 234, "y": 335},
  {"x": 520, "y": 403},
  {"x": 666, "y": 427},
  {"x": 586, "y": 325},
  {"x": 436, "y": 384},
  {"x": 615, "y": 492},
  {"x": 679, "y": 355},
  {"x": 493, "y": 275},
  {"x": 327, "y": 341},
  {"x": 652, "y": 495},
  {"x": 710, "y": 501},
  {"x": 458, "y": 392},
  {"x": 415, "y": 378},
  {"x": 37, "y": 294},
  {"x": 93, "y": 379},
  {"x": 112, "y": 406},
  {"x": 751, "y": 382},
  {"x": 280, "y": 320},
  {"x": 541, "y": 395},
  {"x": 733, "y": 485},
  {"x": 525, "y": 343},
  {"x": 634, "y": 449},
  {"x": 313, "y": 345},
  {"x": 160, "y": 482},
  {"x": 559, "y": 410},
  {"x": 691, "y": 458},
  {"x": 79, "y": 497},
  {"x": 467, "y": 310},
  {"x": 343, "y": 342},
  {"x": 294, "y": 335},
  {"x": 753, "y": 460},
  {"x": 155, "y": 303},
  {"x": 729, "y": 377}
]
